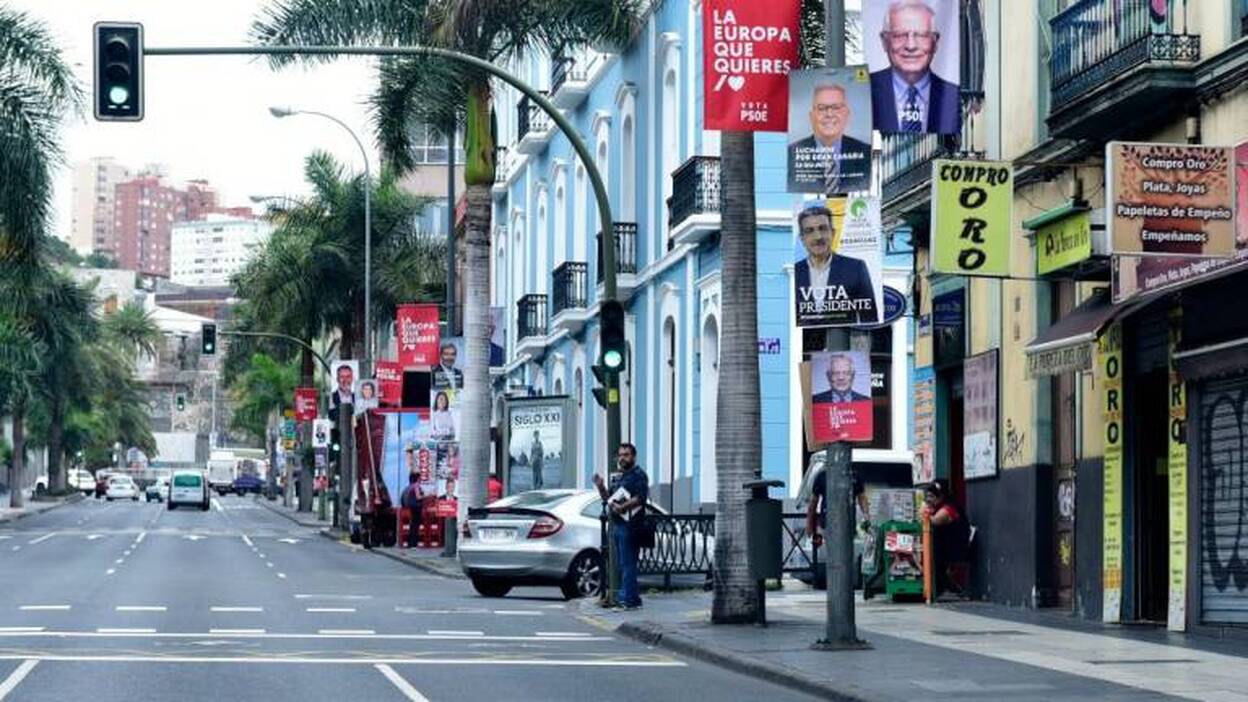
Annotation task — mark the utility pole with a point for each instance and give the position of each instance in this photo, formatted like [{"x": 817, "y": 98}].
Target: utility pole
[{"x": 450, "y": 530}]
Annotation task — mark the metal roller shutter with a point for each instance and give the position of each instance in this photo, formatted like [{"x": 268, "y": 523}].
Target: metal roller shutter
[{"x": 1224, "y": 502}]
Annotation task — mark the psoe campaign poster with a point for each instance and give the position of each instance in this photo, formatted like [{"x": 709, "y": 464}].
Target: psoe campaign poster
[
  {"x": 535, "y": 447},
  {"x": 972, "y": 207},
  {"x": 837, "y": 280},
  {"x": 416, "y": 327},
  {"x": 829, "y": 130},
  {"x": 389, "y": 383},
  {"x": 748, "y": 49},
  {"x": 913, "y": 50},
  {"x": 841, "y": 409}
]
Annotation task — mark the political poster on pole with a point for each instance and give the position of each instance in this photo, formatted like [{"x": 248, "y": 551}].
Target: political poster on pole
[
  {"x": 344, "y": 375},
  {"x": 535, "y": 444},
  {"x": 320, "y": 433},
  {"x": 305, "y": 404},
  {"x": 389, "y": 383},
  {"x": 748, "y": 49},
  {"x": 841, "y": 408},
  {"x": 829, "y": 131},
  {"x": 914, "y": 53},
  {"x": 837, "y": 279},
  {"x": 416, "y": 327},
  {"x": 972, "y": 207}
]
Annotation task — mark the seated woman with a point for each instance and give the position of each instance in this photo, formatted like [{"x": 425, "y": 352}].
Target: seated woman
[{"x": 951, "y": 534}]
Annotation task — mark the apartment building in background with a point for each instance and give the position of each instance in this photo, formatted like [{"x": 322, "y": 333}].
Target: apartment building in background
[
  {"x": 95, "y": 180},
  {"x": 209, "y": 251}
]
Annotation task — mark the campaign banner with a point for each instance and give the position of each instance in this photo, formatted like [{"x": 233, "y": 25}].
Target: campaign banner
[
  {"x": 1170, "y": 199},
  {"x": 841, "y": 408},
  {"x": 914, "y": 53},
  {"x": 535, "y": 445},
  {"x": 979, "y": 415},
  {"x": 344, "y": 375},
  {"x": 366, "y": 396},
  {"x": 837, "y": 280},
  {"x": 416, "y": 327},
  {"x": 748, "y": 49},
  {"x": 305, "y": 404},
  {"x": 446, "y": 372},
  {"x": 389, "y": 383},
  {"x": 320, "y": 433},
  {"x": 972, "y": 206},
  {"x": 829, "y": 131}
]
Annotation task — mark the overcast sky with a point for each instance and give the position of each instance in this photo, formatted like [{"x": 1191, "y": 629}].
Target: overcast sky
[{"x": 207, "y": 117}]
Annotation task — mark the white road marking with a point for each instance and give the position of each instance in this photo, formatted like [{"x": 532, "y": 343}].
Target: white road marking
[
  {"x": 110, "y": 571},
  {"x": 324, "y": 610},
  {"x": 345, "y": 632},
  {"x": 119, "y": 561},
  {"x": 93, "y": 537},
  {"x": 269, "y": 564},
  {"x": 17, "y": 676},
  {"x": 658, "y": 662},
  {"x": 139, "y": 540},
  {"x": 126, "y": 553},
  {"x": 106, "y": 632},
  {"x": 141, "y": 608},
  {"x": 453, "y": 632},
  {"x": 564, "y": 634},
  {"x": 123, "y": 630},
  {"x": 397, "y": 680},
  {"x": 289, "y": 541},
  {"x": 238, "y": 609},
  {"x": 236, "y": 631},
  {"x": 17, "y": 548},
  {"x": 247, "y": 541},
  {"x": 333, "y": 597},
  {"x": 44, "y": 608},
  {"x": 260, "y": 554},
  {"x": 518, "y": 613},
  {"x": 5, "y": 537},
  {"x": 41, "y": 539},
  {"x": 20, "y": 629},
  {"x": 282, "y": 576},
  {"x": 193, "y": 537},
  {"x": 217, "y": 505}
]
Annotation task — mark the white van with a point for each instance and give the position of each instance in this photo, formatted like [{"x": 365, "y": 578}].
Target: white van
[{"x": 188, "y": 487}]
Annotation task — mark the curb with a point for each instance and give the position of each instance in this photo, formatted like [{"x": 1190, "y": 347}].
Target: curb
[
  {"x": 28, "y": 512},
  {"x": 338, "y": 538},
  {"x": 289, "y": 516},
  {"x": 653, "y": 634}
]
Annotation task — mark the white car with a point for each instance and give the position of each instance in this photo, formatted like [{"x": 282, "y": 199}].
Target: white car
[
  {"x": 122, "y": 487},
  {"x": 188, "y": 487},
  {"x": 81, "y": 480}
]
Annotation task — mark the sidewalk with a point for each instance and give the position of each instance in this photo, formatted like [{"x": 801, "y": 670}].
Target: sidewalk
[
  {"x": 8, "y": 514},
  {"x": 965, "y": 651}
]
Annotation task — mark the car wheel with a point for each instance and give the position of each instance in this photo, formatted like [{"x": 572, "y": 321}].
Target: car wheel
[
  {"x": 584, "y": 577},
  {"x": 490, "y": 587},
  {"x": 171, "y": 506}
]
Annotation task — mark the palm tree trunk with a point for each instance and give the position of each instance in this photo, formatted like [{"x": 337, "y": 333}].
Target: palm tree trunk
[
  {"x": 56, "y": 448},
  {"x": 307, "y": 455},
  {"x": 475, "y": 411},
  {"x": 18, "y": 466},
  {"x": 738, "y": 420}
]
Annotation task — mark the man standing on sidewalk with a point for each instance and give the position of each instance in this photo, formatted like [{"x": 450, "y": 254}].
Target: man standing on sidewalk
[{"x": 626, "y": 499}]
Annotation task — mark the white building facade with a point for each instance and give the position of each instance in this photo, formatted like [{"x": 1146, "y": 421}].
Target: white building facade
[
  {"x": 94, "y": 184},
  {"x": 208, "y": 252}
]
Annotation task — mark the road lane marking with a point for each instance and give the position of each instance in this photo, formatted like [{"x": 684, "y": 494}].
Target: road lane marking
[
  {"x": 119, "y": 561},
  {"x": 269, "y": 564},
  {"x": 333, "y": 597},
  {"x": 123, "y": 630},
  {"x": 238, "y": 609},
  {"x": 17, "y": 676},
  {"x": 345, "y": 632},
  {"x": 17, "y": 548},
  {"x": 20, "y": 629},
  {"x": 107, "y": 632},
  {"x": 564, "y": 634},
  {"x": 260, "y": 554},
  {"x": 518, "y": 613},
  {"x": 398, "y": 681},
  {"x": 612, "y": 661},
  {"x": 93, "y": 537},
  {"x": 141, "y": 608},
  {"x": 110, "y": 571},
  {"x": 236, "y": 631},
  {"x": 289, "y": 541},
  {"x": 282, "y": 576},
  {"x": 139, "y": 540},
  {"x": 325, "y": 610},
  {"x": 217, "y": 505},
  {"x": 453, "y": 632},
  {"x": 44, "y": 608},
  {"x": 248, "y": 541},
  {"x": 41, "y": 539}
]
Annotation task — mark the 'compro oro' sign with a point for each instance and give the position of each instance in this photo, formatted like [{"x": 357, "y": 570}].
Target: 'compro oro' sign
[{"x": 973, "y": 203}]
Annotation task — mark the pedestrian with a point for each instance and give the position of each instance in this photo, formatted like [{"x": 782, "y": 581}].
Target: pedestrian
[
  {"x": 951, "y": 535},
  {"x": 818, "y": 505},
  {"x": 410, "y": 500},
  {"x": 626, "y": 500}
]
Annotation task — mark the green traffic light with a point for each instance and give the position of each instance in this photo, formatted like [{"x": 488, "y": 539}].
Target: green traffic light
[
  {"x": 612, "y": 359},
  {"x": 118, "y": 95}
]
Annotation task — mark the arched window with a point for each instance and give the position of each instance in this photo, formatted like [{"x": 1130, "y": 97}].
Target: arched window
[
  {"x": 540, "y": 240},
  {"x": 560, "y": 215},
  {"x": 671, "y": 117},
  {"x": 579, "y": 234},
  {"x": 628, "y": 170}
]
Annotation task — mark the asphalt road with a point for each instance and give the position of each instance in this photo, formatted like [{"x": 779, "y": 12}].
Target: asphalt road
[{"x": 124, "y": 601}]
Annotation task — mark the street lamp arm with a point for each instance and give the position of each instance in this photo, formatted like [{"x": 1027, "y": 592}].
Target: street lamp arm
[
  {"x": 340, "y": 123},
  {"x": 287, "y": 337}
]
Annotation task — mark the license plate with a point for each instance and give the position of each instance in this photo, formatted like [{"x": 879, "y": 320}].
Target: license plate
[{"x": 496, "y": 534}]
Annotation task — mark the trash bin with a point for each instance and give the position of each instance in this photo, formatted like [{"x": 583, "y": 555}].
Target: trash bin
[{"x": 763, "y": 531}]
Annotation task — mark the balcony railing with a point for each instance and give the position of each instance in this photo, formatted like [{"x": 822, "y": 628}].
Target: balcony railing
[
  {"x": 530, "y": 118},
  {"x": 625, "y": 249},
  {"x": 695, "y": 189},
  {"x": 531, "y": 320},
  {"x": 1096, "y": 41},
  {"x": 562, "y": 70},
  {"x": 905, "y": 161},
  {"x": 570, "y": 287}
]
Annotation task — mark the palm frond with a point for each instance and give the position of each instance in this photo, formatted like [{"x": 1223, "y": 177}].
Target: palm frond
[{"x": 336, "y": 23}]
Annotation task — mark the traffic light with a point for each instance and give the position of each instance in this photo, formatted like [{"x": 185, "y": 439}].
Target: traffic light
[
  {"x": 118, "y": 71},
  {"x": 607, "y": 393},
  {"x": 611, "y": 336},
  {"x": 335, "y": 444},
  {"x": 208, "y": 339},
  {"x": 180, "y": 401}
]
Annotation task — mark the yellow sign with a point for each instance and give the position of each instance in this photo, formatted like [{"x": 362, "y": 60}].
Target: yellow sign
[
  {"x": 1063, "y": 243},
  {"x": 1177, "y": 619},
  {"x": 972, "y": 203},
  {"x": 1109, "y": 380}
]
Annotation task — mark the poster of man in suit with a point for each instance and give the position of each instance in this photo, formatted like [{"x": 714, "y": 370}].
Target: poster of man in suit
[
  {"x": 841, "y": 407},
  {"x": 830, "y": 130},
  {"x": 913, "y": 49},
  {"x": 836, "y": 279}
]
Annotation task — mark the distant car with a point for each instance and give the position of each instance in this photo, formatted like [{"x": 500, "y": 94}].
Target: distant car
[
  {"x": 546, "y": 537},
  {"x": 122, "y": 487},
  {"x": 157, "y": 491},
  {"x": 246, "y": 483},
  {"x": 188, "y": 487},
  {"x": 81, "y": 481}
]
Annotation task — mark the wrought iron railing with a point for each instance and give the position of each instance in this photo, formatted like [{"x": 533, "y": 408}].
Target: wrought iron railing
[
  {"x": 625, "y": 249},
  {"x": 563, "y": 69},
  {"x": 531, "y": 319},
  {"x": 695, "y": 189},
  {"x": 905, "y": 161},
  {"x": 1095, "y": 41},
  {"x": 530, "y": 117},
  {"x": 569, "y": 287}
]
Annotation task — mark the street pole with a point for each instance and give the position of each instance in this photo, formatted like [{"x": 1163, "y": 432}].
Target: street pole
[{"x": 450, "y": 526}]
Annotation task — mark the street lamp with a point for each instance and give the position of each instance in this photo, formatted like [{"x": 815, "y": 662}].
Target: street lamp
[{"x": 367, "y": 369}]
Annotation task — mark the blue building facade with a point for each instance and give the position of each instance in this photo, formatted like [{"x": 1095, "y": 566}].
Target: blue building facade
[{"x": 640, "y": 112}]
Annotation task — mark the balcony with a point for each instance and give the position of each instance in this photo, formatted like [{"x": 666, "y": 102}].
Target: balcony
[
  {"x": 534, "y": 127},
  {"x": 569, "y": 295},
  {"x": 530, "y": 324},
  {"x": 1112, "y": 68},
  {"x": 625, "y": 258},
  {"x": 569, "y": 82},
  {"x": 693, "y": 208}
]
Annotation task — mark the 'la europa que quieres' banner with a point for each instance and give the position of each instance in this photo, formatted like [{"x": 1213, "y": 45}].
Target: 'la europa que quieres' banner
[{"x": 748, "y": 49}]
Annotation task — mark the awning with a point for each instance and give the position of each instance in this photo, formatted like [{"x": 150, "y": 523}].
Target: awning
[{"x": 1067, "y": 345}]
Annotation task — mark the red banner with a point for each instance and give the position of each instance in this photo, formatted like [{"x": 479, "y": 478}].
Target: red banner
[
  {"x": 842, "y": 421},
  {"x": 748, "y": 49},
  {"x": 417, "y": 329},
  {"x": 390, "y": 383},
  {"x": 305, "y": 404}
]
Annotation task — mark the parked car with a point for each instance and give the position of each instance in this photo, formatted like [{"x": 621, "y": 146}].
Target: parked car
[
  {"x": 122, "y": 487},
  {"x": 246, "y": 483},
  {"x": 158, "y": 491},
  {"x": 188, "y": 487},
  {"x": 546, "y": 537},
  {"x": 80, "y": 480}
]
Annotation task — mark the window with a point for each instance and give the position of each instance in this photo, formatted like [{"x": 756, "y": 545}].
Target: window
[{"x": 429, "y": 145}]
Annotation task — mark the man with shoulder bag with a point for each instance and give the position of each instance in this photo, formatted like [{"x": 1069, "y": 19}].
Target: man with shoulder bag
[{"x": 626, "y": 499}]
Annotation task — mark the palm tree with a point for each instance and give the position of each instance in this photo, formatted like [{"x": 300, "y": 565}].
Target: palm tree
[
  {"x": 132, "y": 329},
  {"x": 19, "y": 361},
  {"x": 262, "y": 391},
  {"x": 437, "y": 92}
]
